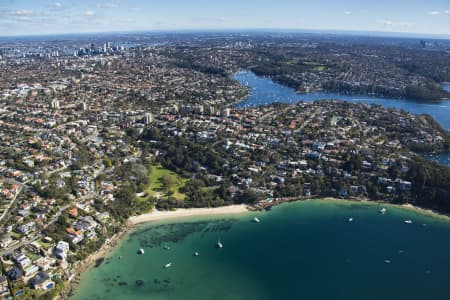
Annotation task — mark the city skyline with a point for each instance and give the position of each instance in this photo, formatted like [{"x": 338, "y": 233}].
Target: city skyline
[{"x": 24, "y": 17}]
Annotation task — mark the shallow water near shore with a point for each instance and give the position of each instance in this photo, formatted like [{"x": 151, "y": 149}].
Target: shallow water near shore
[{"x": 301, "y": 250}]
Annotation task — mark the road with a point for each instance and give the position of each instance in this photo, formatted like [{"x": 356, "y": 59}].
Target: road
[
  {"x": 55, "y": 217},
  {"x": 24, "y": 243},
  {"x": 10, "y": 204},
  {"x": 57, "y": 170},
  {"x": 22, "y": 186},
  {"x": 318, "y": 111}
]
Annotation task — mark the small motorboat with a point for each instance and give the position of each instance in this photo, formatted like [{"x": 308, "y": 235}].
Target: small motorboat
[
  {"x": 382, "y": 211},
  {"x": 256, "y": 220},
  {"x": 408, "y": 222},
  {"x": 141, "y": 251},
  {"x": 350, "y": 219},
  {"x": 168, "y": 265},
  {"x": 387, "y": 261},
  {"x": 196, "y": 253},
  {"x": 219, "y": 244},
  {"x": 166, "y": 247}
]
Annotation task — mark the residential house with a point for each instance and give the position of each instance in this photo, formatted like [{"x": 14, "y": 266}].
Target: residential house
[{"x": 41, "y": 282}]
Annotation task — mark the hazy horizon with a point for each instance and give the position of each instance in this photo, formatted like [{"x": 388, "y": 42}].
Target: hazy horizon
[
  {"x": 44, "y": 17},
  {"x": 356, "y": 33}
]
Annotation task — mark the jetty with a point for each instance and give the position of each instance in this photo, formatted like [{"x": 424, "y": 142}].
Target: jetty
[{"x": 268, "y": 204}]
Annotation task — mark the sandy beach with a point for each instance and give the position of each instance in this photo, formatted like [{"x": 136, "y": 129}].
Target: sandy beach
[
  {"x": 156, "y": 215},
  {"x": 427, "y": 212},
  {"x": 191, "y": 212}
]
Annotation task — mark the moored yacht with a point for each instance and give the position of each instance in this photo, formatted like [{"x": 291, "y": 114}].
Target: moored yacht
[{"x": 256, "y": 220}]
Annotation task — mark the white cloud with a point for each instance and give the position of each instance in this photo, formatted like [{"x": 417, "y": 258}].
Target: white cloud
[
  {"x": 395, "y": 25},
  {"x": 21, "y": 12},
  {"x": 348, "y": 12},
  {"x": 404, "y": 24},
  {"x": 434, "y": 13},
  {"x": 24, "y": 19},
  {"x": 110, "y": 5},
  {"x": 28, "y": 15},
  {"x": 57, "y": 6},
  {"x": 447, "y": 11},
  {"x": 89, "y": 13}
]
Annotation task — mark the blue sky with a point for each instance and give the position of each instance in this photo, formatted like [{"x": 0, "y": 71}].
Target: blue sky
[{"x": 23, "y": 17}]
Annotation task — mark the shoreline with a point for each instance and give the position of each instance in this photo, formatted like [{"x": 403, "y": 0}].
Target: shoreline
[
  {"x": 187, "y": 212},
  {"x": 81, "y": 266},
  {"x": 132, "y": 222},
  {"x": 406, "y": 206},
  {"x": 425, "y": 211},
  {"x": 108, "y": 246}
]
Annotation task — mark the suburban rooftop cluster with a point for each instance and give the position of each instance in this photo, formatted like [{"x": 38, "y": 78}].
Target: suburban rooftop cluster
[{"x": 92, "y": 135}]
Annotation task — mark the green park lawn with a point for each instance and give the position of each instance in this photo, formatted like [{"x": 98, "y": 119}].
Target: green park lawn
[
  {"x": 319, "y": 68},
  {"x": 156, "y": 183}
]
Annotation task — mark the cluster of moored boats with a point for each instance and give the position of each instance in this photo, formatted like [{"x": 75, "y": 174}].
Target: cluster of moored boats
[
  {"x": 219, "y": 245},
  {"x": 383, "y": 211}
]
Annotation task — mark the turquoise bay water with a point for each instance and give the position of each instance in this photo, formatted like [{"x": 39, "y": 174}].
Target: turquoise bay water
[{"x": 302, "y": 250}]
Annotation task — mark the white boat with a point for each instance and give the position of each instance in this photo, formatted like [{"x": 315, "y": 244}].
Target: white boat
[
  {"x": 219, "y": 244},
  {"x": 387, "y": 261},
  {"x": 196, "y": 253},
  {"x": 168, "y": 265},
  {"x": 350, "y": 219},
  {"x": 256, "y": 220},
  {"x": 166, "y": 247},
  {"x": 408, "y": 222},
  {"x": 141, "y": 251},
  {"x": 382, "y": 211}
]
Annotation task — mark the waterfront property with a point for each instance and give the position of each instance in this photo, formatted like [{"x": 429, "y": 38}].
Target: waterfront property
[
  {"x": 264, "y": 91},
  {"x": 299, "y": 250},
  {"x": 91, "y": 136}
]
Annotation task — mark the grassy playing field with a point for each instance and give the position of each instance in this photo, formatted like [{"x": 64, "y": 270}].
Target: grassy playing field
[{"x": 156, "y": 182}]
